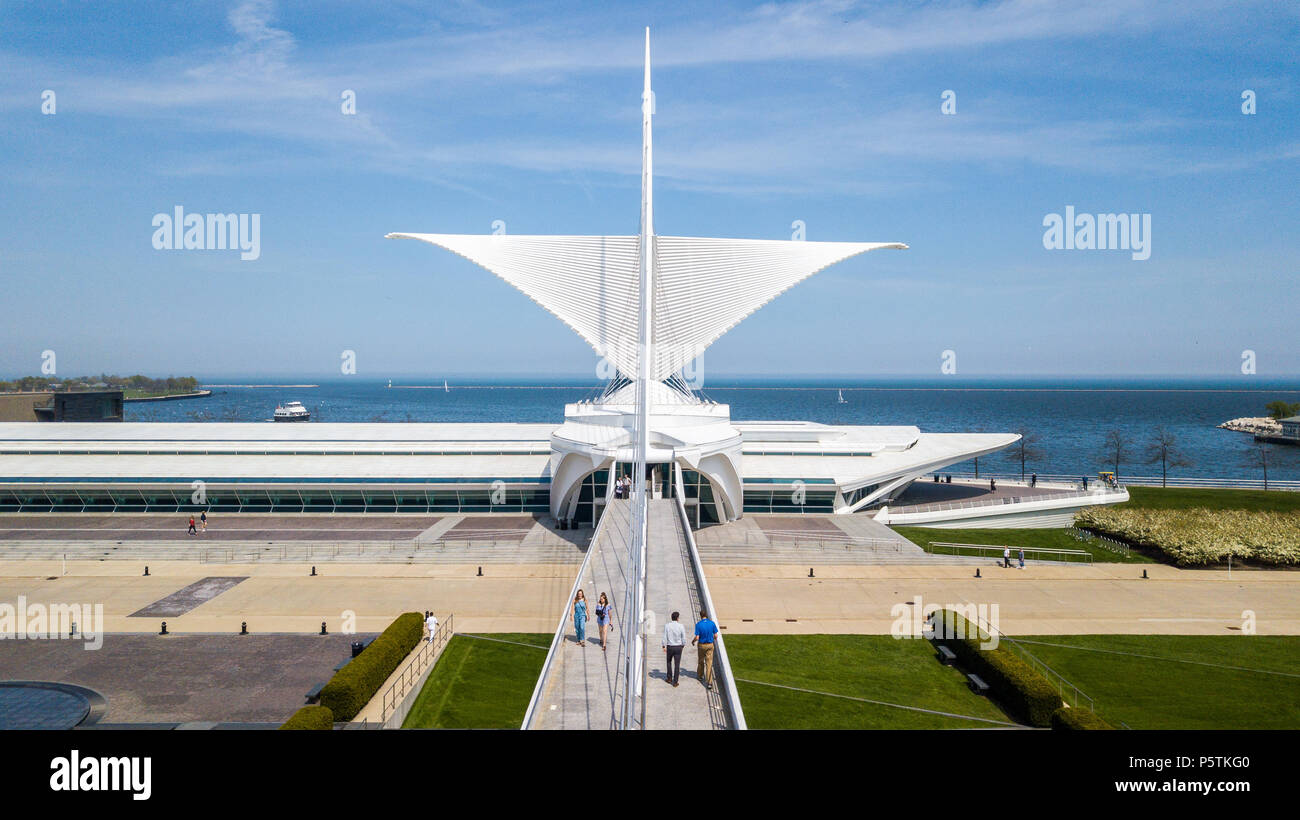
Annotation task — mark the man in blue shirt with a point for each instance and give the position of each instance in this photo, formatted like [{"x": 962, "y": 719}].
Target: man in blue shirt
[{"x": 705, "y": 633}]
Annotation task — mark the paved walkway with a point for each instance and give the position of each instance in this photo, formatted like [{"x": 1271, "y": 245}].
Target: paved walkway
[
  {"x": 671, "y": 585},
  {"x": 584, "y": 688}
]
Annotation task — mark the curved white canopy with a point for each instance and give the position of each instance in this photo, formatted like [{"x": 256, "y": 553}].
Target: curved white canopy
[{"x": 702, "y": 287}]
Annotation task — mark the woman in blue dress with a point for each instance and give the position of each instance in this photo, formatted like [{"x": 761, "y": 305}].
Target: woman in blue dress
[
  {"x": 580, "y": 618},
  {"x": 604, "y": 616}
]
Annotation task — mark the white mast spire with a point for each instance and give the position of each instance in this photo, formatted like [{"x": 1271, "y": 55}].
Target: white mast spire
[{"x": 645, "y": 359}]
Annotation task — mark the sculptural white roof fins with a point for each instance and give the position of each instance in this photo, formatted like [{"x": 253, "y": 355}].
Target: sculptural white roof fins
[{"x": 703, "y": 287}]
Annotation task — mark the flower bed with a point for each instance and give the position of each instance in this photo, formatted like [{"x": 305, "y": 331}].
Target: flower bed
[{"x": 1197, "y": 537}]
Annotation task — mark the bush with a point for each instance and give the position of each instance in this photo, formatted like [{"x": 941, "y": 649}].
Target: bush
[
  {"x": 1027, "y": 695},
  {"x": 1197, "y": 536},
  {"x": 354, "y": 685},
  {"x": 1067, "y": 719},
  {"x": 311, "y": 717}
]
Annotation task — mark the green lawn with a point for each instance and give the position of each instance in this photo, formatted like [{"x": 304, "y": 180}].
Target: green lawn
[
  {"x": 1164, "y": 691},
  {"x": 1057, "y": 538},
  {"x": 874, "y": 667},
  {"x": 1175, "y": 498},
  {"x": 480, "y": 684}
]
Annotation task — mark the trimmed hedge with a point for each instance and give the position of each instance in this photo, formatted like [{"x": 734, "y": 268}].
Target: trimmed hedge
[
  {"x": 1027, "y": 694},
  {"x": 311, "y": 717},
  {"x": 1066, "y": 719},
  {"x": 355, "y": 684}
]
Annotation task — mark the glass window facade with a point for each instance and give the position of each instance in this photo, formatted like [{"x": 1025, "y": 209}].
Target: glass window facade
[{"x": 239, "y": 499}]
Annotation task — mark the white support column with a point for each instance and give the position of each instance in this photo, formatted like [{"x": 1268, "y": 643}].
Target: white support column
[{"x": 645, "y": 358}]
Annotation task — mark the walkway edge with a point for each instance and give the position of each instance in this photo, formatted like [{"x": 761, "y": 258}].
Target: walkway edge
[
  {"x": 725, "y": 678},
  {"x": 558, "y": 639}
]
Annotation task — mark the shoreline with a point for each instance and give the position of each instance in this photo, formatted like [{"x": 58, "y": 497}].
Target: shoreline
[{"x": 198, "y": 394}]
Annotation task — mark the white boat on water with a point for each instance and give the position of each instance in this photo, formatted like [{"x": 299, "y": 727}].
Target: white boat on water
[
  {"x": 291, "y": 411},
  {"x": 842, "y": 399},
  {"x": 445, "y": 388}
]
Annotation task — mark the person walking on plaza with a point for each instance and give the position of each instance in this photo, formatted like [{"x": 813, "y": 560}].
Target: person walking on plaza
[
  {"x": 705, "y": 632},
  {"x": 1022, "y": 557},
  {"x": 203, "y": 518},
  {"x": 1006, "y": 557},
  {"x": 673, "y": 643},
  {"x": 191, "y": 530},
  {"x": 431, "y": 621},
  {"x": 580, "y": 618},
  {"x": 604, "y": 617}
]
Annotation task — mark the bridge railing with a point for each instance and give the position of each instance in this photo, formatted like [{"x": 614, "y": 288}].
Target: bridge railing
[
  {"x": 1039, "y": 553},
  {"x": 1136, "y": 480},
  {"x": 557, "y": 640},
  {"x": 725, "y": 678}
]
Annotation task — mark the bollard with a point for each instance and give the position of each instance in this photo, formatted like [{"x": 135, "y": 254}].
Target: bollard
[
  {"x": 977, "y": 572},
  {"x": 72, "y": 632},
  {"x": 313, "y": 571},
  {"x": 322, "y": 628},
  {"x": 243, "y": 627},
  {"x": 164, "y": 629},
  {"x": 146, "y": 570},
  {"x": 810, "y": 573},
  {"x": 480, "y": 572},
  {"x": 1144, "y": 573}
]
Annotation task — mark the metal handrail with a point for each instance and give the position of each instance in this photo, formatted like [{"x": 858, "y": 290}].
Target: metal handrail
[
  {"x": 994, "y": 502},
  {"x": 1140, "y": 481},
  {"x": 558, "y": 637},
  {"x": 411, "y": 673},
  {"x": 1103, "y": 541},
  {"x": 1048, "y": 672},
  {"x": 722, "y": 662},
  {"x": 253, "y": 552},
  {"x": 998, "y": 549}
]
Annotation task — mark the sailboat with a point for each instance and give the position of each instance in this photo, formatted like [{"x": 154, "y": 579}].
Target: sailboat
[
  {"x": 842, "y": 399},
  {"x": 390, "y": 382},
  {"x": 445, "y": 388}
]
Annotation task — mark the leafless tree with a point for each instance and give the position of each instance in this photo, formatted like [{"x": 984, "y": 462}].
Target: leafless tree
[
  {"x": 1164, "y": 450},
  {"x": 1025, "y": 450},
  {"x": 1116, "y": 448},
  {"x": 1258, "y": 457}
]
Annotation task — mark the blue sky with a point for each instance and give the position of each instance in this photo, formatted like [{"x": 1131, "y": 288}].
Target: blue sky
[{"x": 825, "y": 112}]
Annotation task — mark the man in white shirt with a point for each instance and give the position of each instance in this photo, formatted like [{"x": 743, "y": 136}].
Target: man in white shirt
[
  {"x": 431, "y": 621},
  {"x": 674, "y": 640}
]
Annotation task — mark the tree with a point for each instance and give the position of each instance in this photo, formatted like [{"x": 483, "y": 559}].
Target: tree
[
  {"x": 1164, "y": 450},
  {"x": 1280, "y": 409},
  {"x": 1024, "y": 450},
  {"x": 1115, "y": 448},
  {"x": 1258, "y": 457}
]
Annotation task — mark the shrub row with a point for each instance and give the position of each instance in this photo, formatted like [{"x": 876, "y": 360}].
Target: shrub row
[
  {"x": 355, "y": 684},
  {"x": 311, "y": 717},
  {"x": 1066, "y": 719},
  {"x": 1027, "y": 695},
  {"x": 1197, "y": 536}
]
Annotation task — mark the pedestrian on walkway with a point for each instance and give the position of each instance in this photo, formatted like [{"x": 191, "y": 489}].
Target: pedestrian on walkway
[
  {"x": 431, "y": 621},
  {"x": 580, "y": 618},
  {"x": 191, "y": 530},
  {"x": 203, "y": 517},
  {"x": 1022, "y": 557},
  {"x": 604, "y": 617},
  {"x": 673, "y": 643},
  {"x": 705, "y": 632},
  {"x": 1006, "y": 557}
]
